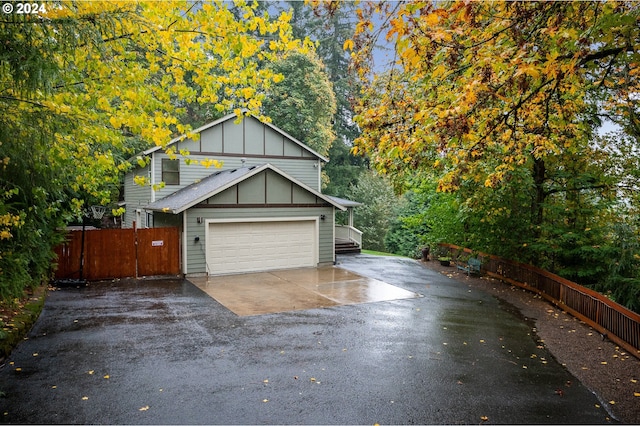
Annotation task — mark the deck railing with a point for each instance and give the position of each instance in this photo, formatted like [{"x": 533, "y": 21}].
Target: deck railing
[
  {"x": 349, "y": 233},
  {"x": 617, "y": 323}
]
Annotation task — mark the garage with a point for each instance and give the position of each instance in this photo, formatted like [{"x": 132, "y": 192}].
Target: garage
[{"x": 235, "y": 246}]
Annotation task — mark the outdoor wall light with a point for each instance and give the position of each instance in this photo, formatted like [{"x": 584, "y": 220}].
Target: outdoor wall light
[
  {"x": 322, "y": 217},
  {"x": 199, "y": 219},
  {"x": 196, "y": 239}
]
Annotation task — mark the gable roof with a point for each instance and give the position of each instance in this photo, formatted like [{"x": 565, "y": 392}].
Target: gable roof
[
  {"x": 234, "y": 116},
  {"x": 217, "y": 182}
]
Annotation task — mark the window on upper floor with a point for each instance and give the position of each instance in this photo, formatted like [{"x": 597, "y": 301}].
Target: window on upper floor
[{"x": 171, "y": 171}]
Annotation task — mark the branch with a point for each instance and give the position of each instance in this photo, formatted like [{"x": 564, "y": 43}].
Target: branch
[
  {"x": 580, "y": 188},
  {"x": 602, "y": 54},
  {"x": 14, "y": 99}
]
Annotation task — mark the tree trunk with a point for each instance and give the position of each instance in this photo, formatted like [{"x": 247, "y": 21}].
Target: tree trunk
[{"x": 537, "y": 202}]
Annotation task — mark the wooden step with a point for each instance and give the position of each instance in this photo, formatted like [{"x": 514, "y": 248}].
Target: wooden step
[{"x": 346, "y": 247}]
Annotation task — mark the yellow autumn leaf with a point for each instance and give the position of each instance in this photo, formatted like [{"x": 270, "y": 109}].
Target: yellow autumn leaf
[
  {"x": 348, "y": 45},
  {"x": 636, "y": 394},
  {"x": 145, "y": 408}
]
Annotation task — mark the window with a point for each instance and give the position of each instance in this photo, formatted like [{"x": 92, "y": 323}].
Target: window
[{"x": 171, "y": 171}]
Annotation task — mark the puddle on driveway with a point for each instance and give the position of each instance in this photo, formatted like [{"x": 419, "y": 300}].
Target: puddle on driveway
[{"x": 296, "y": 289}]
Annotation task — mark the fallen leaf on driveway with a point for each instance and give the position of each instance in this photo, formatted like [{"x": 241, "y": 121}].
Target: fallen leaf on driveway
[
  {"x": 84, "y": 398},
  {"x": 636, "y": 394},
  {"x": 145, "y": 408},
  {"x": 484, "y": 418}
]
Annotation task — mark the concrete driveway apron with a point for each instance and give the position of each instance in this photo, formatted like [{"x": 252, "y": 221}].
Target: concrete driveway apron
[
  {"x": 296, "y": 289},
  {"x": 159, "y": 352}
]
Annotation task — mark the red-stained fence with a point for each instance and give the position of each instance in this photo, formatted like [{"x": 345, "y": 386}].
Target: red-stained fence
[
  {"x": 609, "y": 318},
  {"x": 119, "y": 253}
]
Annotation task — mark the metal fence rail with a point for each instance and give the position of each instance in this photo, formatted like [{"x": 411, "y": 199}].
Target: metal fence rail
[{"x": 617, "y": 323}]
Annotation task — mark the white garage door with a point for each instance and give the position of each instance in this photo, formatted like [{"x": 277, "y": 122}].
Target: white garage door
[{"x": 238, "y": 247}]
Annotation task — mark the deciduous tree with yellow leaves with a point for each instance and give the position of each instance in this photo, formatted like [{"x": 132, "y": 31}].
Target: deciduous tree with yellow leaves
[
  {"x": 501, "y": 102},
  {"x": 79, "y": 80}
]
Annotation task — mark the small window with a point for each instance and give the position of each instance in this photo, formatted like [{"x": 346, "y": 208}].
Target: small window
[{"x": 171, "y": 171}]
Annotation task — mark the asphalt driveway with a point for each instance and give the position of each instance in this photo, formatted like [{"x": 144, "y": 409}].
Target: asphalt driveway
[{"x": 160, "y": 352}]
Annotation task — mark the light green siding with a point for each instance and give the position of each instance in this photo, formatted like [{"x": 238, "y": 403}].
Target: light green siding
[
  {"x": 274, "y": 142},
  {"x": 252, "y": 190},
  {"x": 254, "y": 137},
  {"x": 211, "y": 140},
  {"x": 300, "y": 196},
  {"x": 228, "y": 196},
  {"x": 188, "y": 145},
  {"x": 291, "y": 150},
  {"x": 233, "y": 137},
  {"x": 278, "y": 188}
]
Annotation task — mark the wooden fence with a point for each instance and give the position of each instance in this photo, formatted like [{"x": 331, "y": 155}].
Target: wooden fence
[
  {"x": 617, "y": 323},
  {"x": 119, "y": 253}
]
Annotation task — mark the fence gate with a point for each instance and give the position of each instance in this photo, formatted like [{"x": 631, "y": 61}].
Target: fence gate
[{"x": 119, "y": 253}]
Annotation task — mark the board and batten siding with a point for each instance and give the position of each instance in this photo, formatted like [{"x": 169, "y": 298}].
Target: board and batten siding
[{"x": 195, "y": 251}]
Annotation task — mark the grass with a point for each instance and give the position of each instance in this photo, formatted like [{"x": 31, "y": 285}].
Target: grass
[{"x": 17, "y": 317}]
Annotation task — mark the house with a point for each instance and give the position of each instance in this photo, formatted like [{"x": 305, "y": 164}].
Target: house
[{"x": 262, "y": 210}]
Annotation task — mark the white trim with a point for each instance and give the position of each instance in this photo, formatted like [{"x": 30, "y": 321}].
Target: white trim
[
  {"x": 185, "y": 257},
  {"x": 333, "y": 237},
  {"x": 315, "y": 219},
  {"x": 152, "y": 172}
]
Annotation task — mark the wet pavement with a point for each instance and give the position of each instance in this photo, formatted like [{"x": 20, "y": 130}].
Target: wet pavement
[
  {"x": 165, "y": 352},
  {"x": 296, "y": 289}
]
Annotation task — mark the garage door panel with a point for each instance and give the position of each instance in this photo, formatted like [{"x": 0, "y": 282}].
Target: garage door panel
[{"x": 260, "y": 246}]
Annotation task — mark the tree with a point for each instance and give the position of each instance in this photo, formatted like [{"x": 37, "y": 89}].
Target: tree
[
  {"x": 330, "y": 31},
  {"x": 373, "y": 218},
  {"x": 501, "y": 103},
  {"x": 80, "y": 81},
  {"x": 303, "y": 103}
]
